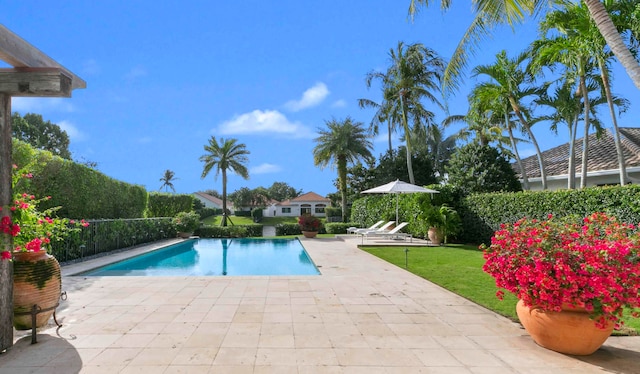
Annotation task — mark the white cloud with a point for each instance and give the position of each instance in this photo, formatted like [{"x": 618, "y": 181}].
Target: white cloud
[
  {"x": 311, "y": 97},
  {"x": 136, "y": 72},
  {"x": 71, "y": 130},
  {"x": 258, "y": 121},
  {"x": 265, "y": 169},
  {"x": 26, "y": 105},
  {"x": 339, "y": 104}
]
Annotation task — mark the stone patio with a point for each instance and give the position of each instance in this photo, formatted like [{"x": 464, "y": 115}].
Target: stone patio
[{"x": 362, "y": 315}]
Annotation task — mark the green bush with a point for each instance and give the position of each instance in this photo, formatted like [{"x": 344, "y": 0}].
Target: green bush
[
  {"x": 237, "y": 231},
  {"x": 168, "y": 205},
  {"x": 242, "y": 213},
  {"x": 257, "y": 214},
  {"x": 186, "y": 221},
  {"x": 339, "y": 227},
  {"x": 208, "y": 212}
]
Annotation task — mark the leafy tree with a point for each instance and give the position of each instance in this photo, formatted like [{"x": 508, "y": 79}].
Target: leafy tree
[
  {"x": 481, "y": 168},
  {"x": 167, "y": 181},
  {"x": 491, "y": 13},
  {"x": 281, "y": 191},
  {"x": 40, "y": 134},
  {"x": 391, "y": 166},
  {"x": 342, "y": 142},
  {"x": 248, "y": 198},
  {"x": 223, "y": 156}
]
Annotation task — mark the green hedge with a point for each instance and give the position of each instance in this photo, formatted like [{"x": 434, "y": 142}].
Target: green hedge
[
  {"x": 168, "y": 205},
  {"x": 339, "y": 227},
  {"x": 79, "y": 191},
  {"x": 482, "y": 214},
  {"x": 283, "y": 229},
  {"x": 237, "y": 231}
]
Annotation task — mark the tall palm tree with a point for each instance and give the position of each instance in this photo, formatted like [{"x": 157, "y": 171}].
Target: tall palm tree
[
  {"x": 574, "y": 22},
  {"x": 167, "y": 180},
  {"x": 491, "y": 13},
  {"x": 222, "y": 156},
  {"x": 510, "y": 83},
  {"x": 342, "y": 142},
  {"x": 413, "y": 76}
]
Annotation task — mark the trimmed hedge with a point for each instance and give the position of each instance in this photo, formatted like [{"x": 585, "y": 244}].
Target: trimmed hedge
[
  {"x": 482, "y": 214},
  {"x": 283, "y": 229},
  {"x": 339, "y": 228},
  {"x": 168, "y": 205},
  {"x": 237, "y": 231}
]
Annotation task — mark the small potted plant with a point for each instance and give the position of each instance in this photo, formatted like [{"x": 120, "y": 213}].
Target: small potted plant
[
  {"x": 441, "y": 222},
  {"x": 186, "y": 223},
  {"x": 309, "y": 225},
  {"x": 584, "y": 274}
]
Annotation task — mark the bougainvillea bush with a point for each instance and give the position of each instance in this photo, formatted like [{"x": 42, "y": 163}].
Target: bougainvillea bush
[
  {"x": 32, "y": 230},
  {"x": 553, "y": 264},
  {"x": 308, "y": 222}
]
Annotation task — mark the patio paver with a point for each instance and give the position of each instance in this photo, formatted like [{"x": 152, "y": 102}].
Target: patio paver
[{"x": 362, "y": 315}]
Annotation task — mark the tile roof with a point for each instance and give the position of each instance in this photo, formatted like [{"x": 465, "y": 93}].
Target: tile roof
[
  {"x": 311, "y": 196},
  {"x": 601, "y": 155},
  {"x": 214, "y": 199}
]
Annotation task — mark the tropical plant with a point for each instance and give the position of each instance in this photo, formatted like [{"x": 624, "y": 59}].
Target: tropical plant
[
  {"x": 491, "y": 13},
  {"x": 167, "y": 180},
  {"x": 552, "y": 263},
  {"x": 413, "y": 76},
  {"x": 186, "y": 222},
  {"x": 342, "y": 142},
  {"x": 223, "y": 156},
  {"x": 508, "y": 85},
  {"x": 442, "y": 218}
]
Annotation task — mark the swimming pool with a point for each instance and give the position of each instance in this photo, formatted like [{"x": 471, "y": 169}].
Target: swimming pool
[{"x": 217, "y": 257}]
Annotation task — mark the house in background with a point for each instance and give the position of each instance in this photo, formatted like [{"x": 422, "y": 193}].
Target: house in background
[
  {"x": 602, "y": 162},
  {"x": 309, "y": 203},
  {"x": 210, "y": 201}
]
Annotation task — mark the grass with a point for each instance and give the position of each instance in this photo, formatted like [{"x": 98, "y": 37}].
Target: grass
[{"x": 458, "y": 268}]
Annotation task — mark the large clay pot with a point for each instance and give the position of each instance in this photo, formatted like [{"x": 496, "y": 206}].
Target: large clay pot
[
  {"x": 309, "y": 234},
  {"x": 184, "y": 235},
  {"x": 435, "y": 235},
  {"x": 36, "y": 281},
  {"x": 570, "y": 331}
]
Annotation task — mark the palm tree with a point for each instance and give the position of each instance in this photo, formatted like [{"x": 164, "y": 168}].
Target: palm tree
[
  {"x": 342, "y": 142},
  {"x": 491, "y": 13},
  {"x": 509, "y": 83},
  {"x": 167, "y": 180},
  {"x": 225, "y": 155},
  {"x": 414, "y": 75},
  {"x": 574, "y": 22}
]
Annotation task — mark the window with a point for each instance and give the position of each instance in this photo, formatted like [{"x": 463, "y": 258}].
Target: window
[
  {"x": 305, "y": 209},
  {"x": 320, "y": 208},
  {"x": 286, "y": 210}
]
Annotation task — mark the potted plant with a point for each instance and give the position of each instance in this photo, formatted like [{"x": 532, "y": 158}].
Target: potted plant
[
  {"x": 441, "y": 222},
  {"x": 36, "y": 274},
  {"x": 186, "y": 223},
  {"x": 585, "y": 273},
  {"x": 309, "y": 225}
]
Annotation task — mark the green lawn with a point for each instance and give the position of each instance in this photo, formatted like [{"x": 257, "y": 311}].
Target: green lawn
[
  {"x": 268, "y": 221},
  {"x": 458, "y": 268}
]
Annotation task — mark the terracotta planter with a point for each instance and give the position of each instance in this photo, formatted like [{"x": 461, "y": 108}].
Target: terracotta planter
[
  {"x": 309, "y": 234},
  {"x": 184, "y": 235},
  {"x": 570, "y": 331},
  {"x": 36, "y": 281},
  {"x": 435, "y": 235}
]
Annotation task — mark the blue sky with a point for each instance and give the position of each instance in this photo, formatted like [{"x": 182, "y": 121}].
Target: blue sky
[{"x": 163, "y": 77}]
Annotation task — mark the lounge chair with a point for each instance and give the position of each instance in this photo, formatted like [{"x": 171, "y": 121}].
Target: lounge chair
[
  {"x": 382, "y": 228},
  {"x": 393, "y": 234},
  {"x": 352, "y": 230}
]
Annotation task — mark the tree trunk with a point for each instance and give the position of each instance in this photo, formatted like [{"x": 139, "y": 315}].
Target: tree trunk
[
  {"x": 407, "y": 137},
  {"x": 611, "y": 35},
  {"x": 6, "y": 240},
  {"x": 342, "y": 181},
  {"x": 614, "y": 120},
  {"x": 571, "y": 172},
  {"x": 525, "y": 124},
  {"x": 224, "y": 198},
  {"x": 523, "y": 171},
  {"x": 585, "y": 140}
]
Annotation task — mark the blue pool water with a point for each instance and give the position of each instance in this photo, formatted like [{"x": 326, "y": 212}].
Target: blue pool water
[{"x": 218, "y": 257}]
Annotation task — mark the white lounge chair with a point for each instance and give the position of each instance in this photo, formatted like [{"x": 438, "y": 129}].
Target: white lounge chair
[
  {"x": 393, "y": 234},
  {"x": 382, "y": 228},
  {"x": 352, "y": 230}
]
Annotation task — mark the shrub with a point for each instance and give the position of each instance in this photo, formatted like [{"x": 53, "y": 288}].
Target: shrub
[{"x": 186, "y": 221}]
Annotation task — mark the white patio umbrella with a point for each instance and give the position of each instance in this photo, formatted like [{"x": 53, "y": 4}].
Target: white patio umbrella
[{"x": 397, "y": 187}]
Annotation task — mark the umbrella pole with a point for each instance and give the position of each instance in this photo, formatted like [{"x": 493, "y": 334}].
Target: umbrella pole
[{"x": 397, "y": 198}]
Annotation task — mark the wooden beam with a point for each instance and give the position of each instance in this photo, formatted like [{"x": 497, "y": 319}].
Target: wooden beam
[
  {"x": 35, "y": 82},
  {"x": 21, "y": 54}
]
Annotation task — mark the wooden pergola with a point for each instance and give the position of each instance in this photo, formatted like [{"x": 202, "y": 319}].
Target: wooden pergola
[{"x": 34, "y": 74}]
